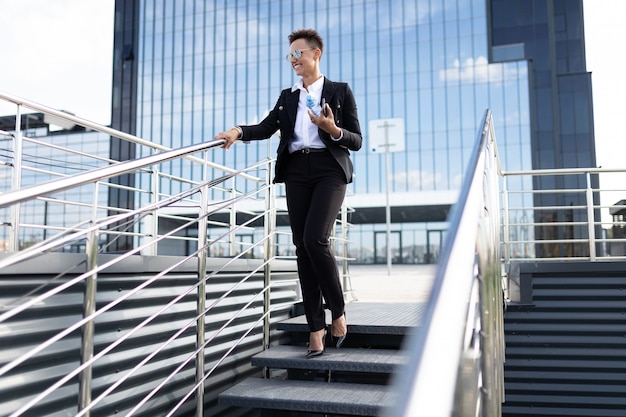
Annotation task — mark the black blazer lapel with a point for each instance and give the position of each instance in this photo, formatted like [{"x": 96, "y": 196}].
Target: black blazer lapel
[
  {"x": 328, "y": 90},
  {"x": 292, "y": 106}
]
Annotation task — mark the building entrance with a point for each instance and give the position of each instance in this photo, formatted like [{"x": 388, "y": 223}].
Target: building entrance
[
  {"x": 380, "y": 247},
  {"x": 434, "y": 240}
]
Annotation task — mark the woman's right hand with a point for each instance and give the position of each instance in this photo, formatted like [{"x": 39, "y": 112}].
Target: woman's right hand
[{"x": 229, "y": 136}]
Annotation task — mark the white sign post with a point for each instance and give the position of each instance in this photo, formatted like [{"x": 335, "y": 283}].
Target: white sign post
[{"x": 387, "y": 135}]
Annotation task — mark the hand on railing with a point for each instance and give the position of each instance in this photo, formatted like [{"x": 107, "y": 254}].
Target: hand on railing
[{"x": 230, "y": 136}]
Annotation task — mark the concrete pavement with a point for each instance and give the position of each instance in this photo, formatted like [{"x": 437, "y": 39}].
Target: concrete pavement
[{"x": 406, "y": 283}]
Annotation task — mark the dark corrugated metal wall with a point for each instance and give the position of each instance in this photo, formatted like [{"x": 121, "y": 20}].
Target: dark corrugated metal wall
[
  {"x": 21, "y": 333},
  {"x": 566, "y": 353}
]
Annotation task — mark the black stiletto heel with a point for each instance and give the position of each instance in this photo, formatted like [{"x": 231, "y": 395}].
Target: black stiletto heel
[
  {"x": 340, "y": 339},
  {"x": 315, "y": 353}
]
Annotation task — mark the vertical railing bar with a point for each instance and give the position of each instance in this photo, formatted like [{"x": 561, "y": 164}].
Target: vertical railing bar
[
  {"x": 201, "y": 292},
  {"x": 591, "y": 220},
  {"x": 269, "y": 229},
  {"x": 233, "y": 218},
  {"x": 16, "y": 183},
  {"x": 156, "y": 190},
  {"x": 347, "y": 284},
  {"x": 89, "y": 308},
  {"x": 505, "y": 220}
]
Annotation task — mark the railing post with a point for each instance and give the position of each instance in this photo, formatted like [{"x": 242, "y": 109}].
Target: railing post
[
  {"x": 89, "y": 308},
  {"x": 201, "y": 293},
  {"x": 154, "y": 197},
  {"x": 505, "y": 220},
  {"x": 591, "y": 222},
  {"x": 16, "y": 183},
  {"x": 233, "y": 219},
  {"x": 269, "y": 226},
  {"x": 347, "y": 285}
]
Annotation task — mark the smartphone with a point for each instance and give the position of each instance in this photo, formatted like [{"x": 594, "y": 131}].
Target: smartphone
[{"x": 324, "y": 109}]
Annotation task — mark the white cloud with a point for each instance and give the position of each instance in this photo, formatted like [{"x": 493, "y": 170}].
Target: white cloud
[
  {"x": 479, "y": 70},
  {"x": 416, "y": 180},
  {"x": 59, "y": 54}
]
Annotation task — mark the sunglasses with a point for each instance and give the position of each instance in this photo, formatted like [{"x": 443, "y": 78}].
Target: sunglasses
[{"x": 296, "y": 54}]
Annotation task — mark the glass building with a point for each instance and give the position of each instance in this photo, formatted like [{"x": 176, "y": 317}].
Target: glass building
[
  {"x": 549, "y": 35},
  {"x": 185, "y": 70},
  {"x": 45, "y": 157}
]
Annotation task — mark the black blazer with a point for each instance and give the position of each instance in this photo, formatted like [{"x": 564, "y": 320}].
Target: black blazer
[{"x": 283, "y": 118}]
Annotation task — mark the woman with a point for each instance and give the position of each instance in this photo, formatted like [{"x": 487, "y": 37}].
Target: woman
[{"x": 314, "y": 163}]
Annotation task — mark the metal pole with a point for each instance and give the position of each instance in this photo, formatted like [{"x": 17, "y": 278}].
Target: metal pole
[
  {"x": 89, "y": 308},
  {"x": 269, "y": 226},
  {"x": 387, "y": 208},
  {"x": 506, "y": 244},
  {"x": 16, "y": 183},
  {"x": 591, "y": 222},
  {"x": 233, "y": 219},
  {"x": 156, "y": 190},
  {"x": 201, "y": 293},
  {"x": 347, "y": 284}
]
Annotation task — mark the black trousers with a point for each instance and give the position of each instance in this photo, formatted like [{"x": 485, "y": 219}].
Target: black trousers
[{"x": 315, "y": 188}]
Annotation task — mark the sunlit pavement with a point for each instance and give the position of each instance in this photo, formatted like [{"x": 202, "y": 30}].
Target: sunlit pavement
[{"x": 402, "y": 283}]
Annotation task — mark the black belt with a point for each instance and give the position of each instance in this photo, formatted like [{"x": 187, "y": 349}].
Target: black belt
[{"x": 310, "y": 150}]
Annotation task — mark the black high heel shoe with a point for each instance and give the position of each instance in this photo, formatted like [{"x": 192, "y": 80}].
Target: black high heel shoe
[
  {"x": 338, "y": 340},
  {"x": 315, "y": 353}
]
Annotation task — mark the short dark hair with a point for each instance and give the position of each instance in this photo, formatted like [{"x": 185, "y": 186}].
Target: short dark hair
[{"x": 310, "y": 35}]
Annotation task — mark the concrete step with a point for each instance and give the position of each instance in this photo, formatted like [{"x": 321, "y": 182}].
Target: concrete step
[
  {"x": 349, "y": 360},
  {"x": 308, "y": 396}
]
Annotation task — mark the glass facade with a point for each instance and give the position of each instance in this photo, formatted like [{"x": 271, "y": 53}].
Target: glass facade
[
  {"x": 45, "y": 157},
  {"x": 204, "y": 66},
  {"x": 549, "y": 34}
]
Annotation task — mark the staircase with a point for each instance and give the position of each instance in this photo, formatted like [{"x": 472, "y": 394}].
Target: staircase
[
  {"x": 351, "y": 381},
  {"x": 566, "y": 353}
]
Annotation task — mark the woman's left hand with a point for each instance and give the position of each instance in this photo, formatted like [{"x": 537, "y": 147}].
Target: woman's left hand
[{"x": 326, "y": 122}]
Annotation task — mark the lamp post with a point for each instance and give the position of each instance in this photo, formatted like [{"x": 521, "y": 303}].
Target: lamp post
[{"x": 387, "y": 135}]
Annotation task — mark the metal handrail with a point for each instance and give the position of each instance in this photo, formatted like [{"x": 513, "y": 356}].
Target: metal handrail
[
  {"x": 589, "y": 239},
  {"x": 99, "y": 174},
  {"x": 89, "y": 230},
  {"x": 456, "y": 362},
  {"x": 89, "y": 318},
  {"x": 562, "y": 171},
  {"x": 22, "y": 102},
  {"x": 19, "y": 139}
]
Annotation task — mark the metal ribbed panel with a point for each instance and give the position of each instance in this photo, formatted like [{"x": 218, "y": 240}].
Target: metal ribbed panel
[
  {"x": 32, "y": 327},
  {"x": 566, "y": 352}
]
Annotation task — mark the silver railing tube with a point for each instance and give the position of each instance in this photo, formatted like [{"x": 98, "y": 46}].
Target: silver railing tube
[
  {"x": 98, "y": 174},
  {"x": 95, "y": 267},
  {"x": 597, "y": 245},
  {"x": 269, "y": 231},
  {"x": 490, "y": 287},
  {"x": 99, "y": 128},
  {"x": 154, "y": 229},
  {"x": 201, "y": 291},
  {"x": 591, "y": 223},
  {"x": 506, "y": 247},
  {"x": 347, "y": 284},
  {"x": 16, "y": 182},
  {"x": 232, "y": 216},
  {"x": 445, "y": 367},
  {"x": 89, "y": 308}
]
